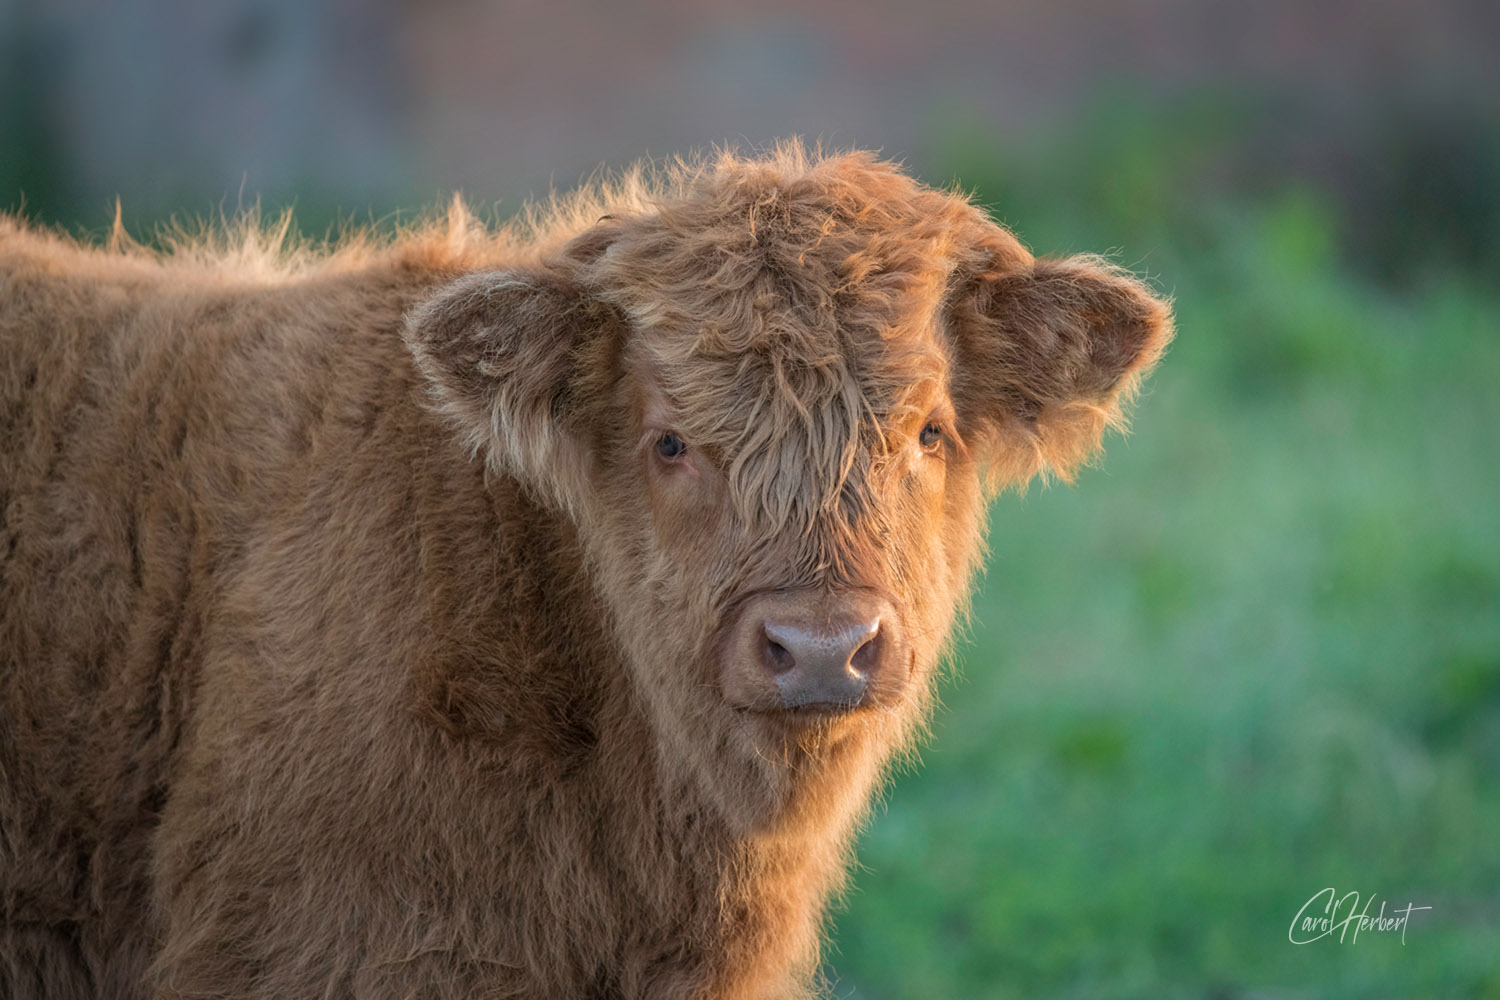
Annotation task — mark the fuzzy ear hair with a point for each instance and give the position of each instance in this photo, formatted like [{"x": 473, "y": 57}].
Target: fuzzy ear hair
[
  {"x": 510, "y": 357},
  {"x": 1048, "y": 355}
]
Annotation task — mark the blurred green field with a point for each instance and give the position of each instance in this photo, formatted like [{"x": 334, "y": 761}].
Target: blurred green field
[{"x": 1253, "y": 654}]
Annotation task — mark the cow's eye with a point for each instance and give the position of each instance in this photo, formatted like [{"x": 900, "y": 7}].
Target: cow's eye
[
  {"x": 670, "y": 446},
  {"x": 932, "y": 436}
]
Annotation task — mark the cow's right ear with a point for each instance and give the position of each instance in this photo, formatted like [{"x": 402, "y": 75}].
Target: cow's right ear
[{"x": 510, "y": 357}]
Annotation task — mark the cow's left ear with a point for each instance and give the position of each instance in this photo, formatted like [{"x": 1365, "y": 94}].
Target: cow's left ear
[
  {"x": 512, "y": 357},
  {"x": 1048, "y": 354}
]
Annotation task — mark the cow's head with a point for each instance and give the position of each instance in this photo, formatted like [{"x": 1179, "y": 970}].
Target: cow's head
[{"x": 775, "y": 400}]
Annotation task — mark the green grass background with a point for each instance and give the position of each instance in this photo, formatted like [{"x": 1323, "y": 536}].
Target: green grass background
[{"x": 1252, "y": 654}]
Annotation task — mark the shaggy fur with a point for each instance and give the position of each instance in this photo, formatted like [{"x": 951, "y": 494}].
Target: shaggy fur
[{"x": 356, "y": 642}]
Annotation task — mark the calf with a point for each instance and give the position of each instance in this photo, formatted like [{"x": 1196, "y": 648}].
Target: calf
[{"x": 517, "y": 613}]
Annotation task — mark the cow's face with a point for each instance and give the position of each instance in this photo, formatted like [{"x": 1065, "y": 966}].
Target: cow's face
[{"x": 774, "y": 404}]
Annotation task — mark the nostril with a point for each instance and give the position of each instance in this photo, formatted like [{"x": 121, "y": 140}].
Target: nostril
[
  {"x": 867, "y": 654},
  {"x": 777, "y": 656}
]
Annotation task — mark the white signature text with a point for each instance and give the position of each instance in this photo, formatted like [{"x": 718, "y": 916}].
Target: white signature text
[{"x": 1342, "y": 915}]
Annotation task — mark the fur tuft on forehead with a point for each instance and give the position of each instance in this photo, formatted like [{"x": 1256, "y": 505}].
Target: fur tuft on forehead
[
  {"x": 799, "y": 440},
  {"x": 782, "y": 255}
]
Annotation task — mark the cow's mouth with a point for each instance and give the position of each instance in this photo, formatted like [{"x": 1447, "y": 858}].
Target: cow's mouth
[
  {"x": 806, "y": 715},
  {"x": 811, "y": 729}
]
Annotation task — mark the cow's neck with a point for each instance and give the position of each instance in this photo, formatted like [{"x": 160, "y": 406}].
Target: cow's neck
[{"x": 752, "y": 899}]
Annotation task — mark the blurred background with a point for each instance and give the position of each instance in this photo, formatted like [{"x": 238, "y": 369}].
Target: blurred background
[{"x": 1256, "y": 652}]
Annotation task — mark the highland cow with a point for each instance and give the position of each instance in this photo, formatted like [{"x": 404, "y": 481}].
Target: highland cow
[{"x": 514, "y": 612}]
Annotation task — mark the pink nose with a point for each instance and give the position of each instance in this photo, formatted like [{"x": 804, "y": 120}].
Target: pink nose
[
  {"x": 828, "y": 666},
  {"x": 825, "y": 651}
]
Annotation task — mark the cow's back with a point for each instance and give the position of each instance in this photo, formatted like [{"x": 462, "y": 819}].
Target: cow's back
[{"x": 152, "y": 420}]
